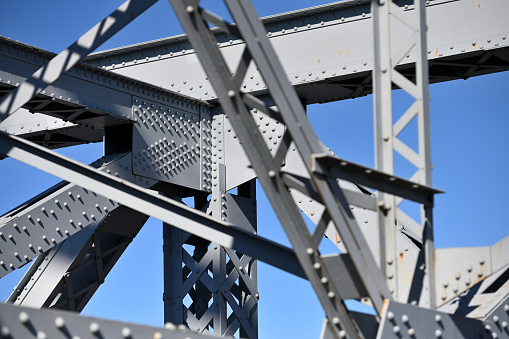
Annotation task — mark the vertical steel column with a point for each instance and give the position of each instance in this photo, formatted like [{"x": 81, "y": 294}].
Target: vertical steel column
[
  {"x": 384, "y": 157},
  {"x": 207, "y": 287},
  {"x": 422, "y": 81},
  {"x": 173, "y": 238},
  {"x": 220, "y": 323},
  {"x": 387, "y": 142}
]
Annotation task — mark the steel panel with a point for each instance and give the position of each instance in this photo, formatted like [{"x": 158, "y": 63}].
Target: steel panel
[
  {"x": 238, "y": 167},
  {"x": 500, "y": 254},
  {"x": 457, "y": 269},
  {"x": 168, "y": 142}
]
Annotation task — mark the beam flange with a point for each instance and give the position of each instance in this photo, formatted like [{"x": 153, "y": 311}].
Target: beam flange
[{"x": 339, "y": 168}]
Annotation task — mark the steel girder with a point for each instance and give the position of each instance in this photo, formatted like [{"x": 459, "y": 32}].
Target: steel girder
[
  {"x": 328, "y": 51},
  {"x": 82, "y": 103}
]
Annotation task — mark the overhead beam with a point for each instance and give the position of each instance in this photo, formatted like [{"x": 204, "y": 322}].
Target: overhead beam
[
  {"x": 85, "y": 96},
  {"x": 327, "y": 51}
]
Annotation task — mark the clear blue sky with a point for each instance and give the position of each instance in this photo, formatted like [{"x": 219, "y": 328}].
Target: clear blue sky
[{"x": 469, "y": 123}]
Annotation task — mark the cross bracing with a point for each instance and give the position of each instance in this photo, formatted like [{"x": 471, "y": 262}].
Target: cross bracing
[{"x": 165, "y": 158}]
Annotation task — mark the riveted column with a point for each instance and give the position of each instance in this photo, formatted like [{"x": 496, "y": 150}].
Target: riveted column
[
  {"x": 392, "y": 217},
  {"x": 218, "y": 203},
  {"x": 173, "y": 238}
]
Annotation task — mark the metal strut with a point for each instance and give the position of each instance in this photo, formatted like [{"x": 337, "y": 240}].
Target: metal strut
[{"x": 421, "y": 289}]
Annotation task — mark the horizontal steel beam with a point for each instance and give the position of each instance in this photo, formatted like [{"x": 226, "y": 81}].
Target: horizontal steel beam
[
  {"x": 167, "y": 210},
  {"x": 327, "y": 51},
  {"x": 86, "y": 96},
  {"x": 22, "y": 322}
]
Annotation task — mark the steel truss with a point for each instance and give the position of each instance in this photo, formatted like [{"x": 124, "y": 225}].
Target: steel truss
[{"x": 161, "y": 141}]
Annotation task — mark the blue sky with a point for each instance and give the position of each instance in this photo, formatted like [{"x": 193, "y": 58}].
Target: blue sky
[{"x": 469, "y": 122}]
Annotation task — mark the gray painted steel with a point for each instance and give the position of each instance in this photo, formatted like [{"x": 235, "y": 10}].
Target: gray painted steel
[
  {"x": 141, "y": 200},
  {"x": 23, "y": 322},
  {"x": 70, "y": 56},
  {"x": 67, "y": 276},
  {"x": 63, "y": 210},
  {"x": 327, "y": 51},
  {"x": 214, "y": 278},
  {"x": 180, "y": 146},
  {"x": 85, "y": 96},
  {"x": 401, "y": 320}
]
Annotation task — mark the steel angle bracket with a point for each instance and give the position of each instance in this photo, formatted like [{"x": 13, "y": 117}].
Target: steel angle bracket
[
  {"x": 497, "y": 322},
  {"x": 339, "y": 168}
]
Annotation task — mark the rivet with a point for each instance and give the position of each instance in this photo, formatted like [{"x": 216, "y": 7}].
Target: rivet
[
  {"x": 59, "y": 322},
  {"x": 126, "y": 332},
  {"x": 404, "y": 318},
  {"x": 438, "y": 333},
  {"x": 170, "y": 326},
  {"x": 24, "y": 318},
  {"x": 94, "y": 328},
  {"x": 5, "y": 332},
  {"x": 390, "y": 315}
]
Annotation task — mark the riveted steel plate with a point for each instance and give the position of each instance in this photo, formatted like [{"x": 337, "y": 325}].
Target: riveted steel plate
[
  {"x": 407, "y": 321},
  {"x": 170, "y": 142},
  {"x": 458, "y": 269},
  {"x": 238, "y": 169}
]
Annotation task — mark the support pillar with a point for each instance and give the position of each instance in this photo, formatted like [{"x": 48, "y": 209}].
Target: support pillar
[{"x": 385, "y": 76}]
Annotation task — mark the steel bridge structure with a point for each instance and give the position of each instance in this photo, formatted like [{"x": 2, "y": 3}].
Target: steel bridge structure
[{"x": 204, "y": 115}]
